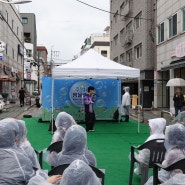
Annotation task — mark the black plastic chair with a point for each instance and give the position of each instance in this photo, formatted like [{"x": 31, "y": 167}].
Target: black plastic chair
[
  {"x": 56, "y": 147},
  {"x": 157, "y": 153},
  {"x": 177, "y": 165},
  {"x": 39, "y": 155},
  {"x": 60, "y": 169}
]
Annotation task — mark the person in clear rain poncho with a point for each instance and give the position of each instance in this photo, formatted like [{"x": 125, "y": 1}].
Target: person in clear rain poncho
[
  {"x": 74, "y": 147},
  {"x": 15, "y": 167},
  {"x": 41, "y": 178},
  {"x": 157, "y": 127},
  {"x": 77, "y": 173},
  {"x": 175, "y": 151},
  {"x": 25, "y": 145},
  {"x": 126, "y": 103},
  {"x": 63, "y": 122}
]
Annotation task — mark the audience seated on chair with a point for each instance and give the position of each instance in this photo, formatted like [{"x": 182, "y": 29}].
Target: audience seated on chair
[
  {"x": 61, "y": 168},
  {"x": 42, "y": 178},
  {"x": 177, "y": 168},
  {"x": 63, "y": 122},
  {"x": 157, "y": 127},
  {"x": 175, "y": 150},
  {"x": 24, "y": 144},
  {"x": 150, "y": 152},
  {"x": 15, "y": 168},
  {"x": 78, "y": 172},
  {"x": 74, "y": 147}
]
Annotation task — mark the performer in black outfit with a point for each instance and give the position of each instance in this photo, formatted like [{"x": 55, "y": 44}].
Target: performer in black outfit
[{"x": 89, "y": 99}]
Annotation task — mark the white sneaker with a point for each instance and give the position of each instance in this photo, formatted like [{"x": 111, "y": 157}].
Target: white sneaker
[{"x": 137, "y": 171}]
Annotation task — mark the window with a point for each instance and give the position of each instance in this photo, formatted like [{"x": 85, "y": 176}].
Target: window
[
  {"x": 17, "y": 30},
  {"x": 116, "y": 17},
  {"x": 161, "y": 32},
  {"x": 129, "y": 55},
  {"x": 12, "y": 24},
  {"x": 138, "y": 20},
  {"x": 7, "y": 16},
  {"x": 24, "y": 20},
  {"x": 183, "y": 19},
  {"x": 138, "y": 51},
  {"x": 29, "y": 52},
  {"x": 173, "y": 26},
  {"x": 122, "y": 58},
  {"x": 116, "y": 59},
  {"x": 104, "y": 53},
  {"x": 115, "y": 40},
  {"x": 122, "y": 36}
]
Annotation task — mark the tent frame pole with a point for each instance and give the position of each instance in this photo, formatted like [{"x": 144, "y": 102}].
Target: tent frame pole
[
  {"x": 139, "y": 109},
  {"x": 52, "y": 105}
]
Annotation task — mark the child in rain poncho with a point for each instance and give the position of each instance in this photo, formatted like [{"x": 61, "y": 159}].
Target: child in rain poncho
[
  {"x": 63, "y": 122},
  {"x": 15, "y": 168},
  {"x": 157, "y": 126},
  {"x": 77, "y": 173},
  {"x": 74, "y": 147},
  {"x": 175, "y": 151},
  {"x": 25, "y": 145}
]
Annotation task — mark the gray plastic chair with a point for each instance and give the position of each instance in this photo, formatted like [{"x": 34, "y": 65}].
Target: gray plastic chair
[
  {"x": 179, "y": 118},
  {"x": 177, "y": 165},
  {"x": 157, "y": 153}
]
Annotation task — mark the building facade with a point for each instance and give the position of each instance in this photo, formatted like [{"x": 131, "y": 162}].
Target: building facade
[
  {"x": 132, "y": 43},
  {"x": 170, "y": 32},
  {"x": 100, "y": 42},
  {"x": 30, "y": 30},
  {"x": 12, "y": 58}
]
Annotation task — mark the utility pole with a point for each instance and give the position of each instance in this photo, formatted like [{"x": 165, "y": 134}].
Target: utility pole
[
  {"x": 38, "y": 65},
  {"x": 54, "y": 54}
]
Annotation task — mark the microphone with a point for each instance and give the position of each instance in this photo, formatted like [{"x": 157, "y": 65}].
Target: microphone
[{"x": 96, "y": 94}]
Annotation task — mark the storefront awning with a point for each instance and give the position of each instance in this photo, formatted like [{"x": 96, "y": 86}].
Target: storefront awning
[{"x": 174, "y": 65}]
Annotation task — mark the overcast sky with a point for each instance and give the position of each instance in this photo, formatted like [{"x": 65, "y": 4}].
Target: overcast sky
[{"x": 63, "y": 25}]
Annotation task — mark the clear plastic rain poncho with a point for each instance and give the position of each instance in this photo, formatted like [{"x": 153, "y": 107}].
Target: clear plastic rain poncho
[
  {"x": 63, "y": 122},
  {"x": 39, "y": 179},
  {"x": 79, "y": 173},
  {"x": 15, "y": 167},
  {"x": 25, "y": 145},
  {"x": 157, "y": 127},
  {"x": 74, "y": 147},
  {"x": 175, "y": 146}
]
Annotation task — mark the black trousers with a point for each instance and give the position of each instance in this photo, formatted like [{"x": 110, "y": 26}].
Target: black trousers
[
  {"x": 89, "y": 120},
  {"x": 22, "y": 101}
]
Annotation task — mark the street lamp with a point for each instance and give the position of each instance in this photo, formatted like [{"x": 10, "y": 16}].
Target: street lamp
[{"x": 15, "y": 2}]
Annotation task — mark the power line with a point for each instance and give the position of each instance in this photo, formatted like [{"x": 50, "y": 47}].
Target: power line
[{"x": 111, "y": 12}]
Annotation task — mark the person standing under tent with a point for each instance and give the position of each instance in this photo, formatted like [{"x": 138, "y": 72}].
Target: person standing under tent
[
  {"x": 126, "y": 103},
  {"x": 89, "y": 99}
]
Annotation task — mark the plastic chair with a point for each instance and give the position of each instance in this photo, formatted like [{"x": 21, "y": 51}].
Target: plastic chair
[
  {"x": 56, "y": 147},
  {"x": 180, "y": 118},
  {"x": 39, "y": 155},
  {"x": 157, "y": 153},
  {"x": 177, "y": 165},
  {"x": 60, "y": 169}
]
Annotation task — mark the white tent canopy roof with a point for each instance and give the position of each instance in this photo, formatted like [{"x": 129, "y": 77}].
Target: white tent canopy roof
[{"x": 93, "y": 65}]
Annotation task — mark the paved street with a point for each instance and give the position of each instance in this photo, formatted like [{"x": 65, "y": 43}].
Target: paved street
[{"x": 15, "y": 111}]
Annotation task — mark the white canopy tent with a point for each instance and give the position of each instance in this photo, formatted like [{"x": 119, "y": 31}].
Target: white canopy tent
[{"x": 92, "y": 65}]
